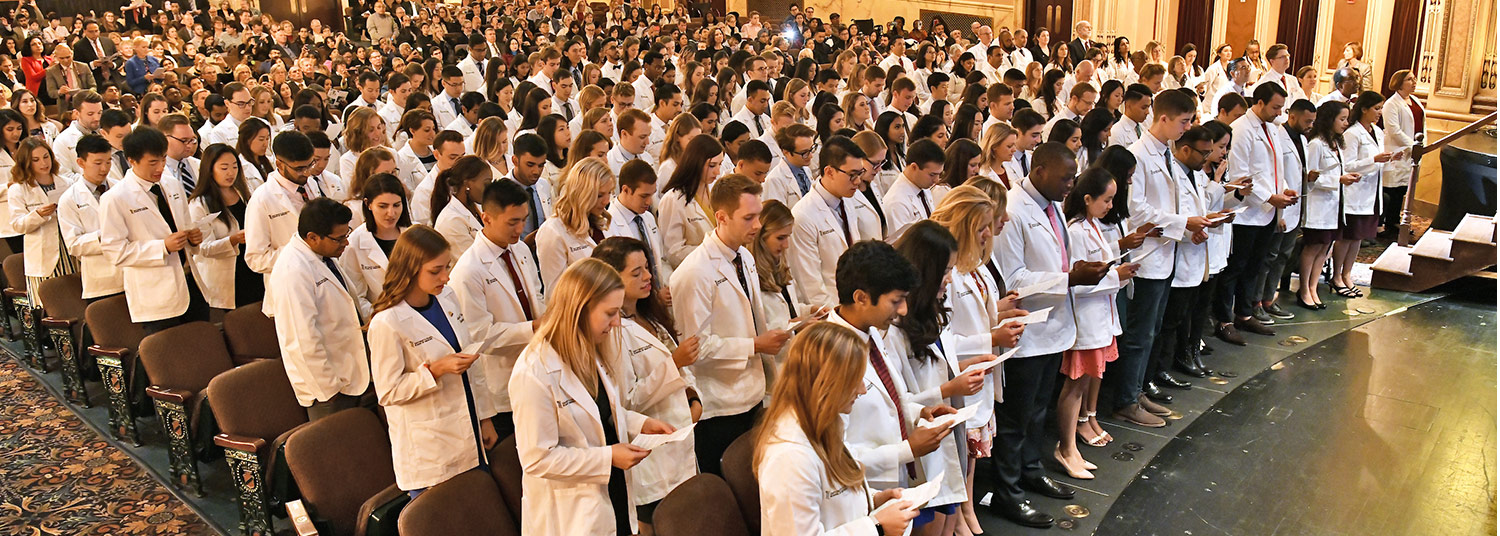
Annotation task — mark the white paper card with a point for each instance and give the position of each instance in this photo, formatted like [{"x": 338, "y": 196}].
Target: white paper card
[
  {"x": 1043, "y": 286},
  {"x": 651, "y": 441},
  {"x": 950, "y": 420},
  {"x": 1137, "y": 257},
  {"x": 986, "y": 365},
  {"x": 1039, "y": 315},
  {"x": 202, "y": 223}
]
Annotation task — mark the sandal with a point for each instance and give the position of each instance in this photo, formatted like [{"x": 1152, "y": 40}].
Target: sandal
[
  {"x": 1347, "y": 292},
  {"x": 1095, "y": 442},
  {"x": 1093, "y": 416}
]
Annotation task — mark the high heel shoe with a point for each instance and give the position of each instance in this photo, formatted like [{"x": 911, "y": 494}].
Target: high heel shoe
[
  {"x": 1305, "y": 305},
  {"x": 1081, "y": 474}
]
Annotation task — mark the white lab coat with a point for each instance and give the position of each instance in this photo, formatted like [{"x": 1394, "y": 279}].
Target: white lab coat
[
  {"x": 364, "y": 260},
  {"x": 42, "y": 238},
  {"x": 1400, "y": 133},
  {"x": 443, "y": 109},
  {"x": 924, "y": 377},
  {"x": 795, "y": 496},
  {"x": 458, "y": 225},
  {"x": 1324, "y": 195},
  {"x": 1029, "y": 252},
  {"x": 78, "y": 218},
  {"x": 65, "y": 150},
  {"x": 318, "y": 326},
  {"x": 420, "y": 206},
  {"x": 1251, "y": 155},
  {"x": 817, "y": 242},
  {"x": 729, "y": 374},
  {"x": 617, "y": 157},
  {"x": 1154, "y": 199},
  {"x": 1191, "y": 259},
  {"x": 270, "y": 223},
  {"x": 492, "y": 308},
  {"x": 876, "y": 442},
  {"x": 473, "y": 79},
  {"x": 1094, "y": 306},
  {"x": 1360, "y": 148},
  {"x": 778, "y": 314},
  {"x": 132, "y": 234},
  {"x": 557, "y": 248},
  {"x": 903, "y": 208},
  {"x": 869, "y": 222},
  {"x": 432, "y": 437},
  {"x": 684, "y": 224},
  {"x": 974, "y": 298},
  {"x": 655, "y": 387},
  {"x": 781, "y": 184},
  {"x": 622, "y": 223},
  {"x": 253, "y": 177},
  {"x": 1125, "y": 132},
  {"x": 216, "y": 257},
  {"x": 561, "y": 443},
  {"x": 408, "y": 167}
]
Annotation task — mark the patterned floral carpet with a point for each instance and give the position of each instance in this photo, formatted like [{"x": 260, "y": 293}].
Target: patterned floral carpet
[{"x": 59, "y": 477}]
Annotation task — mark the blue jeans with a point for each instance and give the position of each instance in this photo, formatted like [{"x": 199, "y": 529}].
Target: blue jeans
[{"x": 1128, "y": 373}]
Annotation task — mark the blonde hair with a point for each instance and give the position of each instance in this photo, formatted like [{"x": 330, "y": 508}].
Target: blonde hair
[
  {"x": 579, "y": 192},
  {"x": 365, "y": 166},
  {"x": 355, "y": 137},
  {"x": 581, "y": 287},
  {"x": 417, "y": 246},
  {"x": 782, "y": 109},
  {"x": 792, "y": 87},
  {"x": 583, "y": 143},
  {"x": 997, "y": 192},
  {"x": 488, "y": 142},
  {"x": 590, "y": 93},
  {"x": 677, "y": 131},
  {"x": 824, "y": 359},
  {"x": 964, "y": 211},
  {"x": 991, "y": 139},
  {"x": 773, "y": 271},
  {"x": 593, "y": 116}
]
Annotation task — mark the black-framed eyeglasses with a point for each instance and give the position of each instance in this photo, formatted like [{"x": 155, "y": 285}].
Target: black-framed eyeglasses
[
  {"x": 298, "y": 169},
  {"x": 850, "y": 173},
  {"x": 242, "y": 103},
  {"x": 343, "y": 238},
  {"x": 185, "y": 141},
  {"x": 808, "y": 152}
]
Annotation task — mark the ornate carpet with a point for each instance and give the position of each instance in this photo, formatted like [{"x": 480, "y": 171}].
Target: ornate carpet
[{"x": 59, "y": 477}]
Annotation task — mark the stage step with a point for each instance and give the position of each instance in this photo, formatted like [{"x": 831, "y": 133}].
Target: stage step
[{"x": 1438, "y": 257}]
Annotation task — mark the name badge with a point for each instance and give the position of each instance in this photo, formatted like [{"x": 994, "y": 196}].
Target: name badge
[
  {"x": 824, "y": 232},
  {"x": 564, "y": 403},
  {"x": 720, "y": 280},
  {"x": 421, "y": 341},
  {"x": 280, "y": 214},
  {"x": 138, "y": 210},
  {"x": 637, "y": 350}
]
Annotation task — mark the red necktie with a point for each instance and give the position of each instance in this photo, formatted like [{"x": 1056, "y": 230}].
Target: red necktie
[
  {"x": 890, "y": 387},
  {"x": 1275, "y": 166},
  {"x": 520, "y": 288}
]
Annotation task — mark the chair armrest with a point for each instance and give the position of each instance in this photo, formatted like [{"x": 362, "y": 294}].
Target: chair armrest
[
  {"x": 65, "y": 323},
  {"x": 109, "y": 351},
  {"x": 176, "y": 396},
  {"x": 14, "y": 293},
  {"x": 377, "y": 516},
  {"x": 252, "y": 445},
  {"x": 301, "y": 523}
]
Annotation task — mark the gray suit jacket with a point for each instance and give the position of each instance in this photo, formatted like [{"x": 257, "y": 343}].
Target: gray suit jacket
[{"x": 57, "y": 78}]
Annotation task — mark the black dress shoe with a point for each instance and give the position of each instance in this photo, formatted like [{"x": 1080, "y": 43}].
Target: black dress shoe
[
  {"x": 1164, "y": 379},
  {"x": 1186, "y": 365},
  {"x": 1155, "y": 393},
  {"x": 1197, "y": 358},
  {"x": 1022, "y": 514},
  {"x": 1047, "y": 487}
]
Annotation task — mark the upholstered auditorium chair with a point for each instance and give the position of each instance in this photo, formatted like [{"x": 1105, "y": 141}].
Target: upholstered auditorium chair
[
  {"x": 180, "y": 361},
  {"x": 257, "y": 411},
  {"x": 15, "y": 294},
  {"x": 505, "y": 467},
  {"x": 62, "y": 297},
  {"x": 703, "y": 504},
  {"x": 738, "y": 465},
  {"x": 342, "y": 465},
  {"x": 251, "y": 335},
  {"x": 469, "y": 503},
  {"x": 116, "y": 340}
]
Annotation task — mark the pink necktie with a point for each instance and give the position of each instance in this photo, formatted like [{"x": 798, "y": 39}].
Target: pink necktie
[{"x": 1057, "y": 231}]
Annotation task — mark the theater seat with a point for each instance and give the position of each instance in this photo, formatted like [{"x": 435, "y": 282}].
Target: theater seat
[
  {"x": 505, "y": 467},
  {"x": 703, "y": 504},
  {"x": 250, "y": 334},
  {"x": 467, "y": 504},
  {"x": 181, "y": 360},
  {"x": 738, "y": 465},
  {"x": 63, "y": 322},
  {"x": 256, "y": 410},
  {"x": 342, "y": 464},
  {"x": 116, "y": 340},
  {"x": 15, "y": 294}
]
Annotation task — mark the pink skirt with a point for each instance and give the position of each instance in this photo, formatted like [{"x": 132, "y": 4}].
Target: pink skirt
[{"x": 1079, "y": 363}]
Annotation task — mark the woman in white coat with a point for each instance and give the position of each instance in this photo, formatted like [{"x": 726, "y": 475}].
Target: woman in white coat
[
  {"x": 228, "y": 281},
  {"x": 436, "y": 403},
  {"x": 370, "y": 244},
  {"x": 35, "y": 187},
  {"x": 455, "y": 201},
  {"x": 809, "y": 482},
  {"x": 1326, "y": 179},
  {"x": 1404, "y": 118},
  {"x": 651, "y": 358},
  {"x": 683, "y": 216},
  {"x": 927, "y": 347},
  {"x": 1362, "y": 154},
  {"x": 372, "y": 162},
  {"x": 12, "y": 130},
  {"x": 580, "y": 214},
  {"x": 573, "y": 432},
  {"x": 253, "y": 146},
  {"x": 782, "y": 303}
]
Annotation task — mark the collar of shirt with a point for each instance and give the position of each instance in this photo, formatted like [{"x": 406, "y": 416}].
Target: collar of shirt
[
  {"x": 1153, "y": 145},
  {"x": 623, "y": 212},
  {"x": 144, "y": 184},
  {"x": 1030, "y": 189},
  {"x": 291, "y": 187},
  {"x": 837, "y": 317},
  {"x": 172, "y": 164},
  {"x": 713, "y": 238},
  {"x": 833, "y": 201},
  {"x": 624, "y": 155}
]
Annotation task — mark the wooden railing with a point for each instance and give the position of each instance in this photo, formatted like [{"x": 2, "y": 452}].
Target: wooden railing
[{"x": 1417, "y": 152}]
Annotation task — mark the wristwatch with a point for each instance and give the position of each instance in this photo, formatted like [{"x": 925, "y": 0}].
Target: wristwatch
[{"x": 879, "y": 530}]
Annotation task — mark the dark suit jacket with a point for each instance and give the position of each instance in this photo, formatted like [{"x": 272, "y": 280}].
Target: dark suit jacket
[
  {"x": 1076, "y": 48},
  {"x": 56, "y": 78},
  {"x": 83, "y": 52},
  {"x": 1037, "y": 54}
]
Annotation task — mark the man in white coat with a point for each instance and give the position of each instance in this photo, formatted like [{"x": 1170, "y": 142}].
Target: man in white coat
[
  {"x": 873, "y": 281},
  {"x": 526, "y": 163},
  {"x": 789, "y": 180},
  {"x": 825, "y": 222},
  {"x": 447, "y": 105},
  {"x": 755, "y": 114},
  {"x": 717, "y": 277},
  {"x": 227, "y": 132},
  {"x": 1134, "y": 112},
  {"x": 1177, "y": 341},
  {"x": 144, "y": 232},
  {"x": 911, "y": 198},
  {"x": 78, "y": 219},
  {"x": 1153, "y": 200},
  {"x": 271, "y": 213},
  {"x": 499, "y": 291},
  {"x": 634, "y": 128},
  {"x": 88, "y": 106},
  {"x": 317, "y": 319},
  {"x": 182, "y": 142},
  {"x": 1033, "y": 249},
  {"x": 1257, "y": 150},
  {"x": 631, "y": 215},
  {"x": 448, "y": 147},
  {"x": 474, "y": 64}
]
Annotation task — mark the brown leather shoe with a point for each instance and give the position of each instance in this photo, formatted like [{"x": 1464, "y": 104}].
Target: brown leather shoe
[
  {"x": 1152, "y": 407},
  {"x": 1137, "y": 415},
  {"x": 1252, "y": 325}
]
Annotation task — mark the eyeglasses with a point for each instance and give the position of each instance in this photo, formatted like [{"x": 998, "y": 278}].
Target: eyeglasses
[
  {"x": 808, "y": 152},
  {"x": 341, "y": 238},
  {"x": 242, "y": 103},
  {"x": 854, "y": 173},
  {"x": 297, "y": 169},
  {"x": 185, "y": 141}
]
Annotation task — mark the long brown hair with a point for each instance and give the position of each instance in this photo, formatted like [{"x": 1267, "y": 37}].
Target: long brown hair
[
  {"x": 21, "y": 172},
  {"x": 774, "y": 274},
  {"x": 577, "y": 291},
  {"x": 823, "y": 368},
  {"x": 418, "y": 245}
]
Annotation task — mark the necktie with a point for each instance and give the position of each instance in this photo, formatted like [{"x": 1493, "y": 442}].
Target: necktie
[
  {"x": 802, "y": 182},
  {"x": 844, "y": 219},
  {"x": 457, "y": 110},
  {"x": 185, "y": 177},
  {"x": 72, "y": 77},
  {"x": 515, "y": 279},
  {"x": 328, "y": 261},
  {"x": 534, "y": 218},
  {"x": 101, "y": 189},
  {"x": 759, "y": 130},
  {"x": 640, "y": 227},
  {"x": 1025, "y": 165},
  {"x": 878, "y": 363},
  {"x": 120, "y": 158},
  {"x": 926, "y": 207},
  {"x": 98, "y": 52},
  {"x": 480, "y": 65},
  {"x": 1137, "y": 130},
  {"x": 166, "y": 213},
  {"x": 739, "y": 270},
  {"x": 791, "y": 307},
  {"x": 302, "y": 191},
  {"x": 1275, "y": 166},
  {"x": 567, "y": 110},
  {"x": 1057, "y": 231}
]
